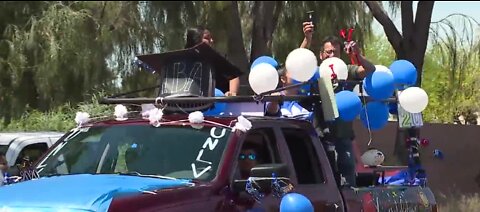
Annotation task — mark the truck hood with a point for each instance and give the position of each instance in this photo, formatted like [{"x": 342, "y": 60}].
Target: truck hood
[{"x": 82, "y": 192}]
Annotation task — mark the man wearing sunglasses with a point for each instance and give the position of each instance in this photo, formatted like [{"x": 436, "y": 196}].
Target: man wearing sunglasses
[
  {"x": 331, "y": 46},
  {"x": 247, "y": 159}
]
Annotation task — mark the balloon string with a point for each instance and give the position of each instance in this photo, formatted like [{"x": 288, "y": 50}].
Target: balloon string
[{"x": 366, "y": 114}]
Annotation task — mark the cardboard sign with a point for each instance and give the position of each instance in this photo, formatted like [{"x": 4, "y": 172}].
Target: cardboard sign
[
  {"x": 407, "y": 119},
  {"x": 187, "y": 76},
  {"x": 329, "y": 104},
  {"x": 192, "y": 72}
]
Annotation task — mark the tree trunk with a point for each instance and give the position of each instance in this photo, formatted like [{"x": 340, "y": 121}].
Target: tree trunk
[
  {"x": 423, "y": 18},
  {"x": 263, "y": 26},
  {"x": 265, "y": 19},
  {"x": 5, "y": 95},
  {"x": 27, "y": 91},
  {"x": 410, "y": 46},
  {"x": 236, "y": 51}
]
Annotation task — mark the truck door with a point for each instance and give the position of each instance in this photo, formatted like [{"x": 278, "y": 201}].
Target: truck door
[{"x": 313, "y": 176}]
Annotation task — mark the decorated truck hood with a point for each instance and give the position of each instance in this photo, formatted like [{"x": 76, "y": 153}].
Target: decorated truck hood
[{"x": 83, "y": 192}]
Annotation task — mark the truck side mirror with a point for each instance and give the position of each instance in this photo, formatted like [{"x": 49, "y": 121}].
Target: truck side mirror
[{"x": 262, "y": 175}]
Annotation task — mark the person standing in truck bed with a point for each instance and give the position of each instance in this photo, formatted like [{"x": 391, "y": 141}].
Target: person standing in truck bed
[
  {"x": 332, "y": 47},
  {"x": 199, "y": 34}
]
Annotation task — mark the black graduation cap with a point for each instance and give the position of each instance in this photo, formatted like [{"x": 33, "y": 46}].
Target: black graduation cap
[{"x": 195, "y": 71}]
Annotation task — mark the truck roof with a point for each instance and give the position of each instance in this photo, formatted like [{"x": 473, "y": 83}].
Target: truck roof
[{"x": 7, "y": 137}]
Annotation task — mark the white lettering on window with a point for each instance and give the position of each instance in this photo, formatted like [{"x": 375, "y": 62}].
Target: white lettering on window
[
  {"x": 212, "y": 133},
  {"x": 211, "y": 143}
]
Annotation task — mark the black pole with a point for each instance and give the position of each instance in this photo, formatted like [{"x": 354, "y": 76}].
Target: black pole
[{"x": 186, "y": 100}]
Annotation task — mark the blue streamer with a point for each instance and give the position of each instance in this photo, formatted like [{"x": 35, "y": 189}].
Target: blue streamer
[
  {"x": 257, "y": 195},
  {"x": 279, "y": 187}
]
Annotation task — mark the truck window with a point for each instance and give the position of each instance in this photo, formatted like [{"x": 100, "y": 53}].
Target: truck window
[
  {"x": 304, "y": 157},
  {"x": 33, "y": 151},
  {"x": 3, "y": 149},
  {"x": 259, "y": 147}
]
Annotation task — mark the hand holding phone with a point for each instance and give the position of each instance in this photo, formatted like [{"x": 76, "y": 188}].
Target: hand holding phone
[
  {"x": 310, "y": 16},
  {"x": 308, "y": 25}
]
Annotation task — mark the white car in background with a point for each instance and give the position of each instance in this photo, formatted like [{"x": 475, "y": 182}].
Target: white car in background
[{"x": 16, "y": 145}]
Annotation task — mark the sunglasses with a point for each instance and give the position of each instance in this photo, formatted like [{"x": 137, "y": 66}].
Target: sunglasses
[
  {"x": 250, "y": 156},
  {"x": 331, "y": 51}
]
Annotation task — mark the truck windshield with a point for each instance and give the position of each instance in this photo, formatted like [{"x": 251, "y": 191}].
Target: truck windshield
[{"x": 171, "y": 151}]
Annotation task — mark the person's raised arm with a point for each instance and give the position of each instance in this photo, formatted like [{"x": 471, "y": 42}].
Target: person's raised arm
[
  {"x": 308, "y": 32},
  {"x": 234, "y": 86},
  {"x": 366, "y": 67}
]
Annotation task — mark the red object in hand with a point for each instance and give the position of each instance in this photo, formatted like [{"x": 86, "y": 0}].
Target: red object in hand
[
  {"x": 350, "y": 32},
  {"x": 334, "y": 76},
  {"x": 354, "y": 58},
  {"x": 348, "y": 37},
  {"x": 424, "y": 142},
  {"x": 342, "y": 33}
]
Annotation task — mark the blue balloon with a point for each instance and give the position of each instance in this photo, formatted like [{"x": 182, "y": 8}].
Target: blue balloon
[
  {"x": 265, "y": 59},
  {"x": 305, "y": 89},
  {"x": 349, "y": 105},
  {"x": 438, "y": 154},
  {"x": 393, "y": 108},
  {"x": 218, "y": 107},
  {"x": 379, "y": 85},
  {"x": 377, "y": 113},
  {"x": 294, "y": 202},
  {"x": 404, "y": 72}
]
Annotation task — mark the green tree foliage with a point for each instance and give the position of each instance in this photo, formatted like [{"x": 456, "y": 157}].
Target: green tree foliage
[
  {"x": 329, "y": 17},
  {"x": 57, "y": 52},
  {"x": 451, "y": 73},
  {"x": 379, "y": 51},
  {"x": 453, "y": 69},
  {"x": 61, "y": 118}
]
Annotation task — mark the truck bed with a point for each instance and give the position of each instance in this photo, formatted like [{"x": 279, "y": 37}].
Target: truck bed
[{"x": 389, "y": 198}]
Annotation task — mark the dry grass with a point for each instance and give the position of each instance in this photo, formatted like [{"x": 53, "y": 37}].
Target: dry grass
[{"x": 459, "y": 203}]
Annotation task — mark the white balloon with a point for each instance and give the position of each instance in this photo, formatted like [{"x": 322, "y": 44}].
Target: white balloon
[
  {"x": 373, "y": 157},
  {"x": 263, "y": 77},
  {"x": 383, "y": 69},
  {"x": 301, "y": 64},
  {"x": 338, "y": 66},
  {"x": 413, "y": 99}
]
